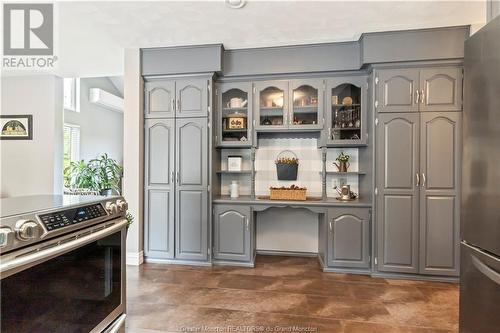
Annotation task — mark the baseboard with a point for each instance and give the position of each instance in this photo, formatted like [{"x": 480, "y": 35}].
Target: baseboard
[
  {"x": 135, "y": 259},
  {"x": 233, "y": 263},
  {"x": 177, "y": 262},
  {"x": 359, "y": 271},
  {"x": 429, "y": 278},
  {"x": 286, "y": 253}
]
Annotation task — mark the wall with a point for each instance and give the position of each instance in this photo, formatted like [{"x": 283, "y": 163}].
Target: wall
[
  {"x": 492, "y": 9},
  {"x": 101, "y": 130},
  {"x": 33, "y": 166}
]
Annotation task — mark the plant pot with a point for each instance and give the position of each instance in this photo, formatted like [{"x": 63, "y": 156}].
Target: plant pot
[
  {"x": 342, "y": 166},
  {"x": 108, "y": 192},
  {"x": 287, "y": 171}
]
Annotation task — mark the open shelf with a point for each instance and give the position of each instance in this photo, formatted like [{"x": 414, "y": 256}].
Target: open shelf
[
  {"x": 234, "y": 110},
  {"x": 345, "y": 173},
  {"x": 227, "y": 172},
  {"x": 235, "y": 130}
]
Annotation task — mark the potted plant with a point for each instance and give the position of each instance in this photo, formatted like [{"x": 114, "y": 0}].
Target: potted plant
[
  {"x": 109, "y": 174},
  {"x": 343, "y": 160},
  {"x": 287, "y": 167}
]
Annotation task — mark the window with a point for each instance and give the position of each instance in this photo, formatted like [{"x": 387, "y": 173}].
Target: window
[
  {"x": 71, "y": 144},
  {"x": 72, "y": 94}
]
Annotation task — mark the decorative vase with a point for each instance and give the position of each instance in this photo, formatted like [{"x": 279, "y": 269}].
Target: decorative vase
[
  {"x": 342, "y": 166},
  {"x": 234, "y": 189}
]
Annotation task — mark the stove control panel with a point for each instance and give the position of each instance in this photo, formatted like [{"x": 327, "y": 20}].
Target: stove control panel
[{"x": 57, "y": 220}]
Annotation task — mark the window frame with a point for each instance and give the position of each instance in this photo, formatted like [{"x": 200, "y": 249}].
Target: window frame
[{"x": 75, "y": 94}]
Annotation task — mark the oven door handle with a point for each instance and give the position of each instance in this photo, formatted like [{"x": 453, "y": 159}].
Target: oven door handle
[{"x": 20, "y": 263}]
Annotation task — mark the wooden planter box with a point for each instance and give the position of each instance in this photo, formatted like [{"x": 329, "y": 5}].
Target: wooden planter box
[{"x": 287, "y": 194}]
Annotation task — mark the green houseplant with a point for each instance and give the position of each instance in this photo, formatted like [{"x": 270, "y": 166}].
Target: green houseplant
[
  {"x": 343, "y": 160},
  {"x": 102, "y": 174}
]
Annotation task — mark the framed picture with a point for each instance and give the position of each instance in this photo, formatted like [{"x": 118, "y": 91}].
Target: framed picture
[
  {"x": 234, "y": 163},
  {"x": 16, "y": 127}
]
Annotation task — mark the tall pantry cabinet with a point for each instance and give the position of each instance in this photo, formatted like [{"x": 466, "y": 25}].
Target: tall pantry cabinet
[
  {"x": 176, "y": 168},
  {"x": 418, "y": 156}
]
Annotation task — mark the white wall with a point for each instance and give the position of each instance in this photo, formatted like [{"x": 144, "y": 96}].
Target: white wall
[
  {"x": 101, "y": 130},
  {"x": 492, "y": 9},
  {"x": 33, "y": 166}
]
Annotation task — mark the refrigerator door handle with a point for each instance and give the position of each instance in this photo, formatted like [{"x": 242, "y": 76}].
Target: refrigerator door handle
[{"x": 485, "y": 269}]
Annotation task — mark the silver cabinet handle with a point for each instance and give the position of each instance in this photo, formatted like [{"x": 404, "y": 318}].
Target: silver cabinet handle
[
  {"x": 417, "y": 96},
  {"x": 248, "y": 224},
  {"x": 177, "y": 177},
  {"x": 422, "y": 97},
  {"x": 172, "y": 177},
  {"x": 423, "y": 179},
  {"x": 330, "y": 224},
  {"x": 173, "y": 104},
  {"x": 178, "y": 104},
  {"x": 418, "y": 179}
]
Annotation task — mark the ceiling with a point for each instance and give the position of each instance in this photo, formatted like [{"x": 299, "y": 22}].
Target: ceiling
[{"x": 92, "y": 35}]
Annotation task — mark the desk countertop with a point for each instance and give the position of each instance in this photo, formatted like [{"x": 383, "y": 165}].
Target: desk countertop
[{"x": 314, "y": 202}]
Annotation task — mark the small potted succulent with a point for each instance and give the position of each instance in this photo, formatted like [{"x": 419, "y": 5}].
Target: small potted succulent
[
  {"x": 343, "y": 160},
  {"x": 287, "y": 167}
]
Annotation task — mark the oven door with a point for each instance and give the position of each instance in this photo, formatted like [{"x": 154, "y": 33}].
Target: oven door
[{"x": 76, "y": 286}]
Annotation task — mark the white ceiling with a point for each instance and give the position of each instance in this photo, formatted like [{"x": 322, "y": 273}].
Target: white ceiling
[{"x": 92, "y": 35}]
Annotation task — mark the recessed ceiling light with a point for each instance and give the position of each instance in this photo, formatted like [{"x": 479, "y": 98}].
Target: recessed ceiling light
[{"x": 236, "y": 4}]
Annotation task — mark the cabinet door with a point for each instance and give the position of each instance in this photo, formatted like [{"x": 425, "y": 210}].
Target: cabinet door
[
  {"x": 397, "y": 90},
  {"x": 234, "y": 105},
  {"x": 440, "y": 143},
  {"x": 271, "y": 105},
  {"x": 159, "y": 188},
  {"x": 232, "y": 232},
  {"x": 397, "y": 201},
  {"x": 441, "y": 89},
  {"x": 191, "y": 190},
  {"x": 346, "y": 111},
  {"x": 306, "y": 104},
  {"x": 349, "y": 237},
  {"x": 159, "y": 98},
  {"x": 192, "y": 98}
]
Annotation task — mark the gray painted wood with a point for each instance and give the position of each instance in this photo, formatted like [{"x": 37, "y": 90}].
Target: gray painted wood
[
  {"x": 182, "y": 59},
  {"x": 331, "y": 83},
  {"x": 192, "y": 98},
  {"x": 260, "y": 87},
  {"x": 319, "y": 86},
  {"x": 221, "y": 89},
  {"x": 397, "y": 192},
  {"x": 397, "y": 90},
  {"x": 441, "y": 89},
  {"x": 159, "y": 188},
  {"x": 192, "y": 189},
  {"x": 159, "y": 99},
  {"x": 440, "y": 142},
  {"x": 349, "y": 237},
  {"x": 232, "y": 233}
]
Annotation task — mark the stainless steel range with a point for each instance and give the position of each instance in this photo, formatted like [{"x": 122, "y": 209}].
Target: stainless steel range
[{"x": 62, "y": 264}]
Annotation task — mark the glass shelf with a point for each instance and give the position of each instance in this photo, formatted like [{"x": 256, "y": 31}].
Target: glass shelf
[{"x": 234, "y": 126}]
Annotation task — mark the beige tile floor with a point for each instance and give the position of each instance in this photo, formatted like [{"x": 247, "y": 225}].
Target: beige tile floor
[{"x": 281, "y": 294}]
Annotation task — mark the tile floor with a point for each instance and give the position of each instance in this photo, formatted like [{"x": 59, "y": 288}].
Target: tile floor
[{"x": 283, "y": 294}]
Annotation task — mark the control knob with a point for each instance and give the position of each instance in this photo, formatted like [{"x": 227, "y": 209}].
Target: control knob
[
  {"x": 122, "y": 205},
  {"x": 27, "y": 230},
  {"x": 111, "y": 207}
]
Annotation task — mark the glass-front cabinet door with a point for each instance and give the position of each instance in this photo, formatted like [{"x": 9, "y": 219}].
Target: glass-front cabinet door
[
  {"x": 235, "y": 114},
  {"x": 307, "y": 99},
  {"x": 346, "y": 111},
  {"x": 271, "y": 104}
]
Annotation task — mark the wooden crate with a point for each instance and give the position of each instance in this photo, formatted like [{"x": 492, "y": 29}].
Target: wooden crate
[{"x": 287, "y": 194}]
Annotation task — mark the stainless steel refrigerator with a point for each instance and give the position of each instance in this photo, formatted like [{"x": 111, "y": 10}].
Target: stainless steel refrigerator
[{"x": 480, "y": 212}]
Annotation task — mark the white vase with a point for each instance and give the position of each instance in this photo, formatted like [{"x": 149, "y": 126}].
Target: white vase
[{"x": 234, "y": 190}]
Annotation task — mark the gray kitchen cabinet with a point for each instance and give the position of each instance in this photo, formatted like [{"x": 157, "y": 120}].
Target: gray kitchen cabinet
[
  {"x": 191, "y": 222},
  {"x": 271, "y": 105},
  {"x": 441, "y": 89},
  {"x": 232, "y": 233},
  {"x": 397, "y": 192},
  {"x": 159, "y": 99},
  {"x": 397, "y": 90},
  {"x": 307, "y": 98},
  {"x": 440, "y": 142},
  {"x": 349, "y": 237},
  {"x": 192, "y": 98},
  {"x": 235, "y": 116},
  {"x": 159, "y": 188},
  {"x": 413, "y": 89},
  {"x": 346, "y": 105}
]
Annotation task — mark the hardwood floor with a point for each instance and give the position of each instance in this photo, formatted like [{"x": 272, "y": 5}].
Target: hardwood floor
[{"x": 281, "y": 293}]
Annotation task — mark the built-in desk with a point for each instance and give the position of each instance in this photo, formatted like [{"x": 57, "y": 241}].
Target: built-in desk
[{"x": 343, "y": 230}]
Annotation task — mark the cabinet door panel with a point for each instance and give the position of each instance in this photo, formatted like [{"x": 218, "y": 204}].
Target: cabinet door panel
[
  {"x": 439, "y": 196},
  {"x": 191, "y": 225},
  {"x": 232, "y": 232},
  {"x": 159, "y": 99},
  {"x": 441, "y": 89},
  {"x": 192, "y": 151},
  {"x": 349, "y": 238},
  {"x": 306, "y": 104},
  {"x": 192, "y": 98},
  {"x": 271, "y": 105},
  {"x": 159, "y": 189},
  {"x": 397, "y": 198},
  {"x": 397, "y": 89}
]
